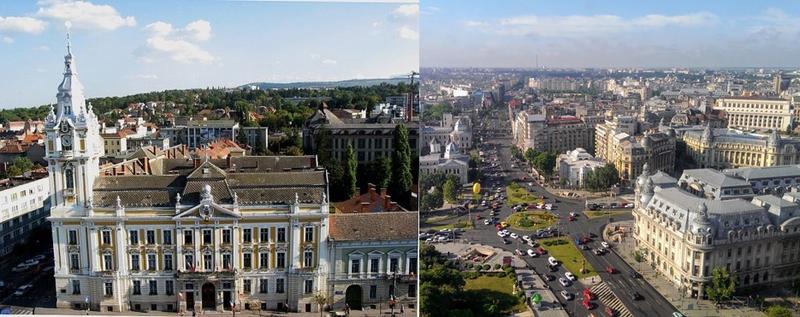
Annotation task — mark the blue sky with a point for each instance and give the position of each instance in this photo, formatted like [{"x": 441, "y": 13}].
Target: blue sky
[
  {"x": 126, "y": 47},
  {"x": 590, "y": 33}
]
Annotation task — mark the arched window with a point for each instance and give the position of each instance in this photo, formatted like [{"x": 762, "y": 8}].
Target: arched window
[{"x": 70, "y": 179}]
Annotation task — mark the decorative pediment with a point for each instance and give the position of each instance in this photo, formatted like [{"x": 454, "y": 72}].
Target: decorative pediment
[{"x": 207, "y": 211}]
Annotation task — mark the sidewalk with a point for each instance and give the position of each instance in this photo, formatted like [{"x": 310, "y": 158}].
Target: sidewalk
[
  {"x": 690, "y": 307},
  {"x": 354, "y": 313}
]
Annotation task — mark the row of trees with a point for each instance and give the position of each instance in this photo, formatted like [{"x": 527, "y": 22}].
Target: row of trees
[
  {"x": 347, "y": 175},
  {"x": 544, "y": 162},
  {"x": 601, "y": 178},
  {"x": 437, "y": 189}
]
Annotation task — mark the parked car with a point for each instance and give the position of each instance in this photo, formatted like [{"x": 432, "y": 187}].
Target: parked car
[
  {"x": 605, "y": 245},
  {"x": 611, "y": 270},
  {"x": 514, "y": 235},
  {"x": 505, "y": 241},
  {"x": 569, "y": 276},
  {"x": 532, "y": 253},
  {"x": 564, "y": 282},
  {"x": 566, "y": 295},
  {"x": 552, "y": 261},
  {"x": 518, "y": 252},
  {"x": 588, "y": 305},
  {"x": 550, "y": 277}
]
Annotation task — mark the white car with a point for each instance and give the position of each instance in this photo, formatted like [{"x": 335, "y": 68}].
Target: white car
[
  {"x": 505, "y": 231},
  {"x": 566, "y": 295},
  {"x": 486, "y": 222},
  {"x": 569, "y": 276},
  {"x": 605, "y": 244},
  {"x": 526, "y": 238},
  {"x": 573, "y": 214},
  {"x": 514, "y": 235},
  {"x": 552, "y": 261},
  {"x": 564, "y": 282},
  {"x": 532, "y": 253},
  {"x": 501, "y": 234}
]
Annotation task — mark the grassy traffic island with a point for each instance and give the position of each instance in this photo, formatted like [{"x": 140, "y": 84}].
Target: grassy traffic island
[
  {"x": 497, "y": 289},
  {"x": 565, "y": 251},
  {"x": 531, "y": 220},
  {"x": 605, "y": 213},
  {"x": 517, "y": 195}
]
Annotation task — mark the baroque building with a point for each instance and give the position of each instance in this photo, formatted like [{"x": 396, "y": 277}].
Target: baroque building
[
  {"x": 552, "y": 133},
  {"x": 708, "y": 219},
  {"x": 169, "y": 232},
  {"x": 728, "y": 148}
]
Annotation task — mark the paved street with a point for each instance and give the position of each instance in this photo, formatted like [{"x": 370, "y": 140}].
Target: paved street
[{"x": 621, "y": 285}]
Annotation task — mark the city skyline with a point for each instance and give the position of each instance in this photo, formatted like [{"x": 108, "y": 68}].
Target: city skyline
[
  {"x": 586, "y": 34},
  {"x": 124, "y": 48}
]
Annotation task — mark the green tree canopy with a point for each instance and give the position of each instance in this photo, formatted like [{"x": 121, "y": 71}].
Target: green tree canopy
[
  {"x": 722, "y": 285},
  {"x": 350, "y": 171},
  {"x": 778, "y": 311},
  {"x": 402, "y": 179},
  {"x": 451, "y": 189}
]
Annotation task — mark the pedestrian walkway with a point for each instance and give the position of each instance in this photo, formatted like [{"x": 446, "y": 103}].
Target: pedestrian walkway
[
  {"x": 690, "y": 307},
  {"x": 353, "y": 313},
  {"x": 15, "y": 310},
  {"x": 607, "y": 297}
]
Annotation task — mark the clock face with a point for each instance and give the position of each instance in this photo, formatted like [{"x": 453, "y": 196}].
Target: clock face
[{"x": 66, "y": 140}]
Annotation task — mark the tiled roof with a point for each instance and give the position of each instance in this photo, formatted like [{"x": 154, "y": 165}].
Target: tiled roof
[{"x": 379, "y": 226}]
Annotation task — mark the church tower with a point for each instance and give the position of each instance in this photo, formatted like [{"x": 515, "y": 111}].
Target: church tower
[{"x": 73, "y": 147}]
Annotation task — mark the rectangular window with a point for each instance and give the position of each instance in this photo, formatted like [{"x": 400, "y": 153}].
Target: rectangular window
[
  {"x": 151, "y": 262},
  {"x": 263, "y": 260},
  {"x": 394, "y": 264},
  {"x": 281, "y": 260},
  {"x": 247, "y": 235},
  {"x": 134, "y": 237},
  {"x": 137, "y": 288},
  {"x": 188, "y": 236},
  {"x": 374, "y": 265},
  {"x": 308, "y": 287},
  {"x": 108, "y": 289},
  {"x": 248, "y": 261},
  {"x": 167, "y": 236},
  {"x": 108, "y": 262},
  {"x": 188, "y": 260},
  {"x": 153, "y": 288},
  {"x": 151, "y": 236},
  {"x": 309, "y": 234},
  {"x": 74, "y": 261},
  {"x": 73, "y": 237},
  {"x": 247, "y": 287},
  {"x": 226, "y": 236},
  {"x": 76, "y": 287},
  {"x": 412, "y": 265},
  {"x": 169, "y": 287},
  {"x": 412, "y": 290},
  {"x": 281, "y": 235},
  {"x": 373, "y": 291},
  {"x": 226, "y": 261},
  {"x": 106, "y": 237},
  {"x": 208, "y": 261},
  {"x": 134, "y": 262},
  {"x": 355, "y": 266},
  {"x": 263, "y": 286},
  {"x": 308, "y": 259},
  {"x": 264, "y": 235},
  {"x": 207, "y": 236},
  {"x": 279, "y": 286},
  {"x": 167, "y": 262}
]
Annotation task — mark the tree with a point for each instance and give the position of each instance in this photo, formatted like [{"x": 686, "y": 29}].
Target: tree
[
  {"x": 450, "y": 190},
  {"x": 320, "y": 299},
  {"x": 294, "y": 151},
  {"x": 241, "y": 138},
  {"x": 379, "y": 172},
  {"x": 432, "y": 200},
  {"x": 530, "y": 155},
  {"x": 400, "y": 184},
  {"x": 778, "y": 311},
  {"x": 24, "y": 164},
  {"x": 722, "y": 285},
  {"x": 324, "y": 146},
  {"x": 350, "y": 171}
]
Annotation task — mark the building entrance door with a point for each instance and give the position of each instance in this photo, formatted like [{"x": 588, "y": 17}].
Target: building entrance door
[
  {"x": 209, "y": 297},
  {"x": 190, "y": 300}
]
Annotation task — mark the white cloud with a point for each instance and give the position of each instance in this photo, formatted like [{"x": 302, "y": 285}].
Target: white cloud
[
  {"x": 180, "y": 45},
  {"x": 407, "y": 10},
  {"x": 583, "y": 25},
  {"x": 22, "y": 25},
  {"x": 42, "y": 48},
  {"x": 329, "y": 61},
  {"x": 84, "y": 14},
  {"x": 8, "y": 40},
  {"x": 408, "y": 33}
]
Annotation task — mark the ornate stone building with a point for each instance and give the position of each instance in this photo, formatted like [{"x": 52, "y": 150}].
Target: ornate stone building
[
  {"x": 728, "y": 148},
  {"x": 686, "y": 228},
  {"x": 558, "y": 133},
  {"x": 174, "y": 233},
  {"x": 758, "y": 113}
]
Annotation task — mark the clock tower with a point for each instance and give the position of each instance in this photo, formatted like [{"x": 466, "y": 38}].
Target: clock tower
[{"x": 73, "y": 147}]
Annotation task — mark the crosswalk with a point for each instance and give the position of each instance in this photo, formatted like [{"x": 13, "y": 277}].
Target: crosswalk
[
  {"x": 15, "y": 310},
  {"x": 608, "y": 299}
]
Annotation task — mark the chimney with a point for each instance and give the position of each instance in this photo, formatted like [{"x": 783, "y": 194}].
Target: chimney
[
  {"x": 372, "y": 192},
  {"x": 386, "y": 201},
  {"x": 228, "y": 160},
  {"x": 363, "y": 206},
  {"x": 196, "y": 162}
]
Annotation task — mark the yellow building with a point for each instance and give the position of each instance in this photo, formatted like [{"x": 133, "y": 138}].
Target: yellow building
[
  {"x": 757, "y": 113},
  {"x": 728, "y": 148}
]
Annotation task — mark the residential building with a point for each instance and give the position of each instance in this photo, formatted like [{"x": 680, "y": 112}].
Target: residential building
[
  {"x": 758, "y": 113},
  {"x": 199, "y": 133},
  {"x": 556, "y": 133},
  {"x": 729, "y": 148},
  {"x": 605, "y": 133},
  {"x": 174, "y": 233},
  {"x": 374, "y": 260},
  {"x": 574, "y": 165},
  {"x": 24, "y": 206},
  {"x": 685, "y": 233},
  {"x": 630, "y": 153}
]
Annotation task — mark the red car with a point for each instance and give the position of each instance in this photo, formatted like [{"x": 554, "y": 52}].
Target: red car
[
  {"x": 588, "y": 305},
  {"x": 541, "y": 251},
  {"x": 611, "y": 270},
  {"x": 588, "y": 294},
  {"x": 611, "y": 312},
  {"x": 571, "y": 218},
  {"x": 498, "y": 226}
]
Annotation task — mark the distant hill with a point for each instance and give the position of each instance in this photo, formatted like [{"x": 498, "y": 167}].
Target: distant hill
[{"x": 329, "y": 84}]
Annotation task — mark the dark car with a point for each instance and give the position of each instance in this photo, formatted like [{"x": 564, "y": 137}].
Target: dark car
[
  {"x": 550, "y": 277},
  {"x": 635, "y": 274},
  {"x": 505, "y": 241},
  {"x": 553, "y": 268},
  {"x": 636, "y": 296}
]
